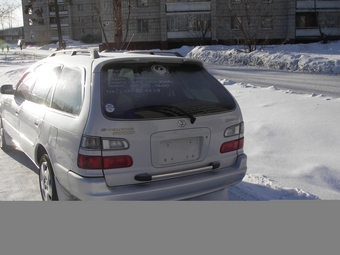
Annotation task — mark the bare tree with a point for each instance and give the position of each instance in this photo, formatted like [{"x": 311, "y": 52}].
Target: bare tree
[
  {"x": 247, "y": 21},
  {"x": 98, "y": 11},
  {"x": 55, "y": 5},
  {"x": 200, "y": 27},
  {"x": 6, "y": 10},
  {"x": 121, "y": 27}
]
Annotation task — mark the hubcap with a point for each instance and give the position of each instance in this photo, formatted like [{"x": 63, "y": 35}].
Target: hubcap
[{"x": 45, "y": 182}]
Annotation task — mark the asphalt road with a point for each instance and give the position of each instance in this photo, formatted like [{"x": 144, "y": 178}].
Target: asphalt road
[{"x": 298, "y": 82}]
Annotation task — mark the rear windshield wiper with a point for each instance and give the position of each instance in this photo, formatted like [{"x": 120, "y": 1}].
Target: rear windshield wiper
[{"x": 169, "y": 108}]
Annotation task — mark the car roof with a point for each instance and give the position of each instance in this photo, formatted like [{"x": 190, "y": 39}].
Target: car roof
[{"x": 92, "y": 56}]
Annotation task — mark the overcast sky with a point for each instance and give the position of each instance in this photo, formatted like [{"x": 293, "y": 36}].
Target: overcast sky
[
  {"x": 17, "y": 16},
  {"x": 17, "y": 19}
]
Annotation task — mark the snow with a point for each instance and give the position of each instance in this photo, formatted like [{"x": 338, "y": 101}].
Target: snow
[
  {"x": 292, "y": 140},
  {"x": 311, "y": 58}
]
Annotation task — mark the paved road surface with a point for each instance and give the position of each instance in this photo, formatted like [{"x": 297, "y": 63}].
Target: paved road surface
[{"x": 295, "y": 81}]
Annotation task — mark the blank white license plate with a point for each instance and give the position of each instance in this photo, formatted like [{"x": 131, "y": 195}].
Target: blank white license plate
[{"x": 180, "y": 150}]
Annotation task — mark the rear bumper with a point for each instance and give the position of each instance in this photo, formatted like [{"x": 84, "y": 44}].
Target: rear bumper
[{"x": 172, "y": 189}]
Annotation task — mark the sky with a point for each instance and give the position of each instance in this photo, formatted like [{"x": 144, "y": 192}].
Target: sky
[
  {"x": 17, "y": 17},
  {"x": 292, "y": 140}
]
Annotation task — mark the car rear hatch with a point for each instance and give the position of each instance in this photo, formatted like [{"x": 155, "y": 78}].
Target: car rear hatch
[{"x": 162, "y": 121}]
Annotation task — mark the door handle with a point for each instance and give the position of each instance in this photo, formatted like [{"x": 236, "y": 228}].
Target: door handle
[{"x": 37, "y": 122}]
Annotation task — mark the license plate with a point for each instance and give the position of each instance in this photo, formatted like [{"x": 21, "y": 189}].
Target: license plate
[{"x": 179, "y": 150}]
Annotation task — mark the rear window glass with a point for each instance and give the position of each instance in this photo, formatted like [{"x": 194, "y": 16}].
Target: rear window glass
[{"x": 158, "y": 90}]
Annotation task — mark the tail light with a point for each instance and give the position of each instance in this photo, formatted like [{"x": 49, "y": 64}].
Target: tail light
[
  {"x": 97, "y": 145},
  {"x": 234, "y": 130},
  {"x": 117, "y": 162},
  {"x": 90, "y": 162},
  {"x": 232, "y": 145},
  {"x": 237, "y": 130},
  {"x": 108, "y": 162}
]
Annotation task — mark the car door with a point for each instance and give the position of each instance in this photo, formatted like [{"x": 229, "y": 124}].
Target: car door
[
  {"x": 33, "y": 111},
  {"x": 13, "y": 106}
]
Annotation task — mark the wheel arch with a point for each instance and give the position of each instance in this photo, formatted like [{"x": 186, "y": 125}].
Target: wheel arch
[{"x": 40, "y": 151}]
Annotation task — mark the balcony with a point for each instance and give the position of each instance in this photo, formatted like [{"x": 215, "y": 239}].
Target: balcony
[
  {"x": 186, "y": 35},
  {"x": 61, "y": 13},
  {"x": 319, "y": 4},
  {"x": 188, "y": 6},
  {"x": 314, "y": 32},
  {"x": 55, "y": 25}
]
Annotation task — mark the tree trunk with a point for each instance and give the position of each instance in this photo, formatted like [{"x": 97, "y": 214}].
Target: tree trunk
[{"x": 57, "y": 18}]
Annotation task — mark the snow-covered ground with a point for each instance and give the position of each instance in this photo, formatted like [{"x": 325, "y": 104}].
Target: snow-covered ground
[{"x": 292, "y": 140}]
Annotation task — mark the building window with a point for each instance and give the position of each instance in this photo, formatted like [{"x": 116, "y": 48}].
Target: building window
[
  {"x": 199, "y": 22},
  {"x": 142, "y": 3},
  {"x": 191, "y": 22},
  {"x": 28, "y": 9},
  {"x": 63, "y": 20},
  {"x": 306, "y": 20},
  {"x": 143, "y": 25},
  {"x": 267, "y": 1},
  {"x": 62, "y": 7},
  {"x": 95, "y": 18},
  {"x": 267, "y": 23},
  {"x": 80, "y": 7},
  {"x": 236, "y": 23},
  {"x": 329, "y": 20},
  {"x": 177, "y": 23},
  {"x": 64, "y": 31},
  {"x": 40, "y": 21}
]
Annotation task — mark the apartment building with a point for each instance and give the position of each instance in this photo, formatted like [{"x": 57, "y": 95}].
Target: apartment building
[
  {"x": 172, "y": 23},
  {"x": 164, "y": 24},
  {"x": 78, "y": 21},
  {"x": 157, "y": 23}
]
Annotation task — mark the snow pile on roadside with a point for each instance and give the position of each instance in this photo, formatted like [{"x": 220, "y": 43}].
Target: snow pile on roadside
[
  {"x": 258, "y": 187},
  {"x": 312, "y": 58}
]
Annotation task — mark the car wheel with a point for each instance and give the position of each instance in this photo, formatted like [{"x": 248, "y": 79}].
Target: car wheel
[
  {"x": 3, "y": 144},
  {"x": 46, "y": 180}
]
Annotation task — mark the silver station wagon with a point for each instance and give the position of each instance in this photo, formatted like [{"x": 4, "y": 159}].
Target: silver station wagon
[{"x": 124, "y": 126}]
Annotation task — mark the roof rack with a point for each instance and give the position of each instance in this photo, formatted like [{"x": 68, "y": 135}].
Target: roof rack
[
  {"x": 93, "y": 53},
  {"x": 160, "y": 52}
]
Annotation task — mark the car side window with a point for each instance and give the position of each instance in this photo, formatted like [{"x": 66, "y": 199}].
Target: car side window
[
  {"x": 25, "y": 86},
  {"x": 47, "y": 76},
  {"x": 68, "y": 95}
]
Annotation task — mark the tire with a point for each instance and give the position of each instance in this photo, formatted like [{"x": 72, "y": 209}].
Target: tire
[
  {"x": 46, "y": 180},
  {"x": 3, "y": 144}
]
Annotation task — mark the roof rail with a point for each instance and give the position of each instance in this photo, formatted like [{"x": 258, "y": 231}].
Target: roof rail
[
  {"x": 160, "y": 52},
  {"x": 93, "y": 53}
]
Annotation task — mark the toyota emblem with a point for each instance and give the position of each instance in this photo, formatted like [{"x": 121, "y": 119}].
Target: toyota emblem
[{"x": 181, "y": 123}]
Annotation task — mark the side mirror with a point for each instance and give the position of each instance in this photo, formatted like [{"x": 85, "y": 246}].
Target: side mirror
[{"x": 7, "y": 89}]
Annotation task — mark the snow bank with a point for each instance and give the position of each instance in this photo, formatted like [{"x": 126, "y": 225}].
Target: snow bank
[{"x": 311, "y": 58}]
